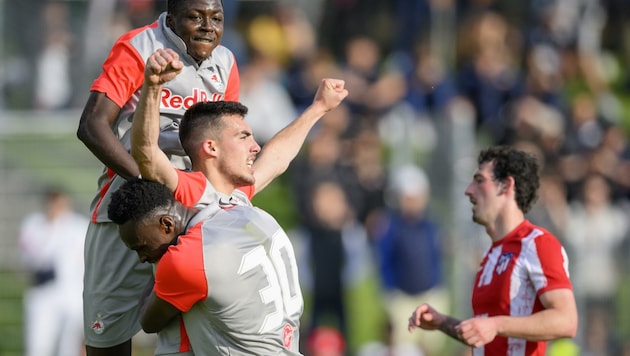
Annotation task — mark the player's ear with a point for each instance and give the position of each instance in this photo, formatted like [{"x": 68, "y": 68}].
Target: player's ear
[
  {"x": 167, "y": 224},
  {"x": 209, "y": 148},
  {"x": 508, "y": 184}
]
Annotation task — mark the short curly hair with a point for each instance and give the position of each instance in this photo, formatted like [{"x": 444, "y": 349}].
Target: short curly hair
[
  {"x": 138, "y": 199},
  {"x": 520, "y": 165}
]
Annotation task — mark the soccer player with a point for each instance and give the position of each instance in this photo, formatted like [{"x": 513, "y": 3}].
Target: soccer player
[
  {"x": 219, "y": 142},
  {"x": 216, "y": 136},
  {"x": 522, "y": 295},
  {"x": 225, "y": 170},
  {"x": 230, "y": 271},
  {"x": 114, "y": 280}
]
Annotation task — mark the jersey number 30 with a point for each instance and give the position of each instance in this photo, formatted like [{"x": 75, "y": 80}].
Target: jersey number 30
[{"x": 280, "y": 268}]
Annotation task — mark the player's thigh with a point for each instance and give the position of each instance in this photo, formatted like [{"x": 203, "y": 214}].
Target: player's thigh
[{"x": 123, "y": 349}]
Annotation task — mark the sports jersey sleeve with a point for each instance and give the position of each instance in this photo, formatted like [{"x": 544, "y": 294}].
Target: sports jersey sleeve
[
  {"x": 123, "y": 71},
  {"x": 232, "y": 92},
  {"x": 180, "y": 278},
  {"x": 191, "y": 187},
  {"x": 248, "y": 190},
  {"x": 553, "y": 269}
]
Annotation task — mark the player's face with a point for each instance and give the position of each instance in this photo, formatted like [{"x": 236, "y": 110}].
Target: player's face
[
  {"x": 199, "y": 24},
  {"x": 238, "y": 151},
  {"x": 149, "y": 240},
  {"x": 484, "y": 193}
]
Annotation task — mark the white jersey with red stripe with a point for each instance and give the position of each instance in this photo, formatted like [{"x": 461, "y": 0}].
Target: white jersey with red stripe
[
  {"x": 514, "y": 272},
  {"x": 194, "y": 190},
  {"x": 215, "y": 79},
  {"x": 234, "y": 276}
]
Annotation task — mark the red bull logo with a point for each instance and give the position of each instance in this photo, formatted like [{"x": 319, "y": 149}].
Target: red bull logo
[
  {"x": 287, "y": 336},
  {"x": 97, "y": 326},
  {"x": 173, "y": 101}
]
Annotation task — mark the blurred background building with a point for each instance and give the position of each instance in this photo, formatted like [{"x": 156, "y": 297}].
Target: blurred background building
[{"x": 430, "y": 81}]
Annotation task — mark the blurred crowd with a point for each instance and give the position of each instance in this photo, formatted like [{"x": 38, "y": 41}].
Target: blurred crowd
[{"x": 548, "y": 76}]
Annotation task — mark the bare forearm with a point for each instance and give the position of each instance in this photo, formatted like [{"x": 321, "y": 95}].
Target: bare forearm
[
  {"x": 278, "y": 153},
  {"x": 113, "y": 155},
  {"x": 448, "y": 326},
  {"x": 145, "y": 130},
  {"x": 154, "y": 318},
  {"x": 544, "y": 325},
  {"x": 96, "y": 133}
]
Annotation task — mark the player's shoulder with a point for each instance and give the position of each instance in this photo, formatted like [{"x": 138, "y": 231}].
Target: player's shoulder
[
  {"x": 223, "y": 55},
  {"x": 542, "y": 238},
  {"x": 138, "y": 32}
]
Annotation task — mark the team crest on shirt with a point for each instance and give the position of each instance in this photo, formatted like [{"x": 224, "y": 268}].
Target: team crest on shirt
[
  {"x": 97, "y": 325},
  {"x": 504, "y": 262},
  {"x": 287, "y": 336}
]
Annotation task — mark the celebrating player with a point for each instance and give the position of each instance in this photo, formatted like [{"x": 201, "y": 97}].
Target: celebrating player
[
  {"x": 114, "y": 280},
  {"x": 522, "y": 294},
  {"x": 230, "y": 270},
  {"x": 223, "y": 153}
]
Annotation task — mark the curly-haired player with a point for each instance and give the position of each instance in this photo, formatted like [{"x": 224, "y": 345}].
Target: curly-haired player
[{"x": 522, "y": 295}]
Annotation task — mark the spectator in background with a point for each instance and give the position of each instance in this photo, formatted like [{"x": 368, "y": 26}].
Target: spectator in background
[
  {"x": 324, "y": 158},
  {"x": 410, "y": 258},
  {"x": 374, "y": 87},
  {"x": 51, "y": 246},
  {"x": 595, "y": 232},
  {"x": 584, "y": 133},
  {"x": 53, "y": 86},
  {"x": 489, "y": 74},
  {"x": 331, "y": 213},
  {"x": 334, "y": 255},
  {"x": 367, "y": 161},
  {"x": 269, "y": 102}
]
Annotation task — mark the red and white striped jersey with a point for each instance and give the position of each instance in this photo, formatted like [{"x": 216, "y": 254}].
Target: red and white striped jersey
[{"x": 514, "y": 272}]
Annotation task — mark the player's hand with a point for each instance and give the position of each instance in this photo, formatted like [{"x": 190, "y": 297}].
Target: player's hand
[
  {"x": 162, "y": 66},
  {"x": 477, "y": 332},
  {"x": 330, "y": 93},
  {"x": 424, "y": 317}
]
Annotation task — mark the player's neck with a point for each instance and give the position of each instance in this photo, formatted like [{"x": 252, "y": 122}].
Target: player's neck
[{"x": 504, "y": 224}]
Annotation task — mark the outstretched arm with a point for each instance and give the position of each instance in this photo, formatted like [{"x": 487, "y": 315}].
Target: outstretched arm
[
  {"x": 162, "y": 66},
  {"x": 278, "y": 153}
]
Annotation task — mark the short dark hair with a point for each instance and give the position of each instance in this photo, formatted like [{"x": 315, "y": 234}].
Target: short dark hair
[
  {"x": 175, "y": 6},
  {"x": 520, "y": 165},
  {"x": 204, "y": 119},
  {"x": 138, "y": 199}
]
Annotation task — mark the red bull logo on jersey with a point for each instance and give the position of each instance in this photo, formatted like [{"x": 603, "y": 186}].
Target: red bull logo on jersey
[
  {"x": 97, "y": 326},
  {"x": 173, "y": 101},
  {"x": 287, "y": 336}
]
